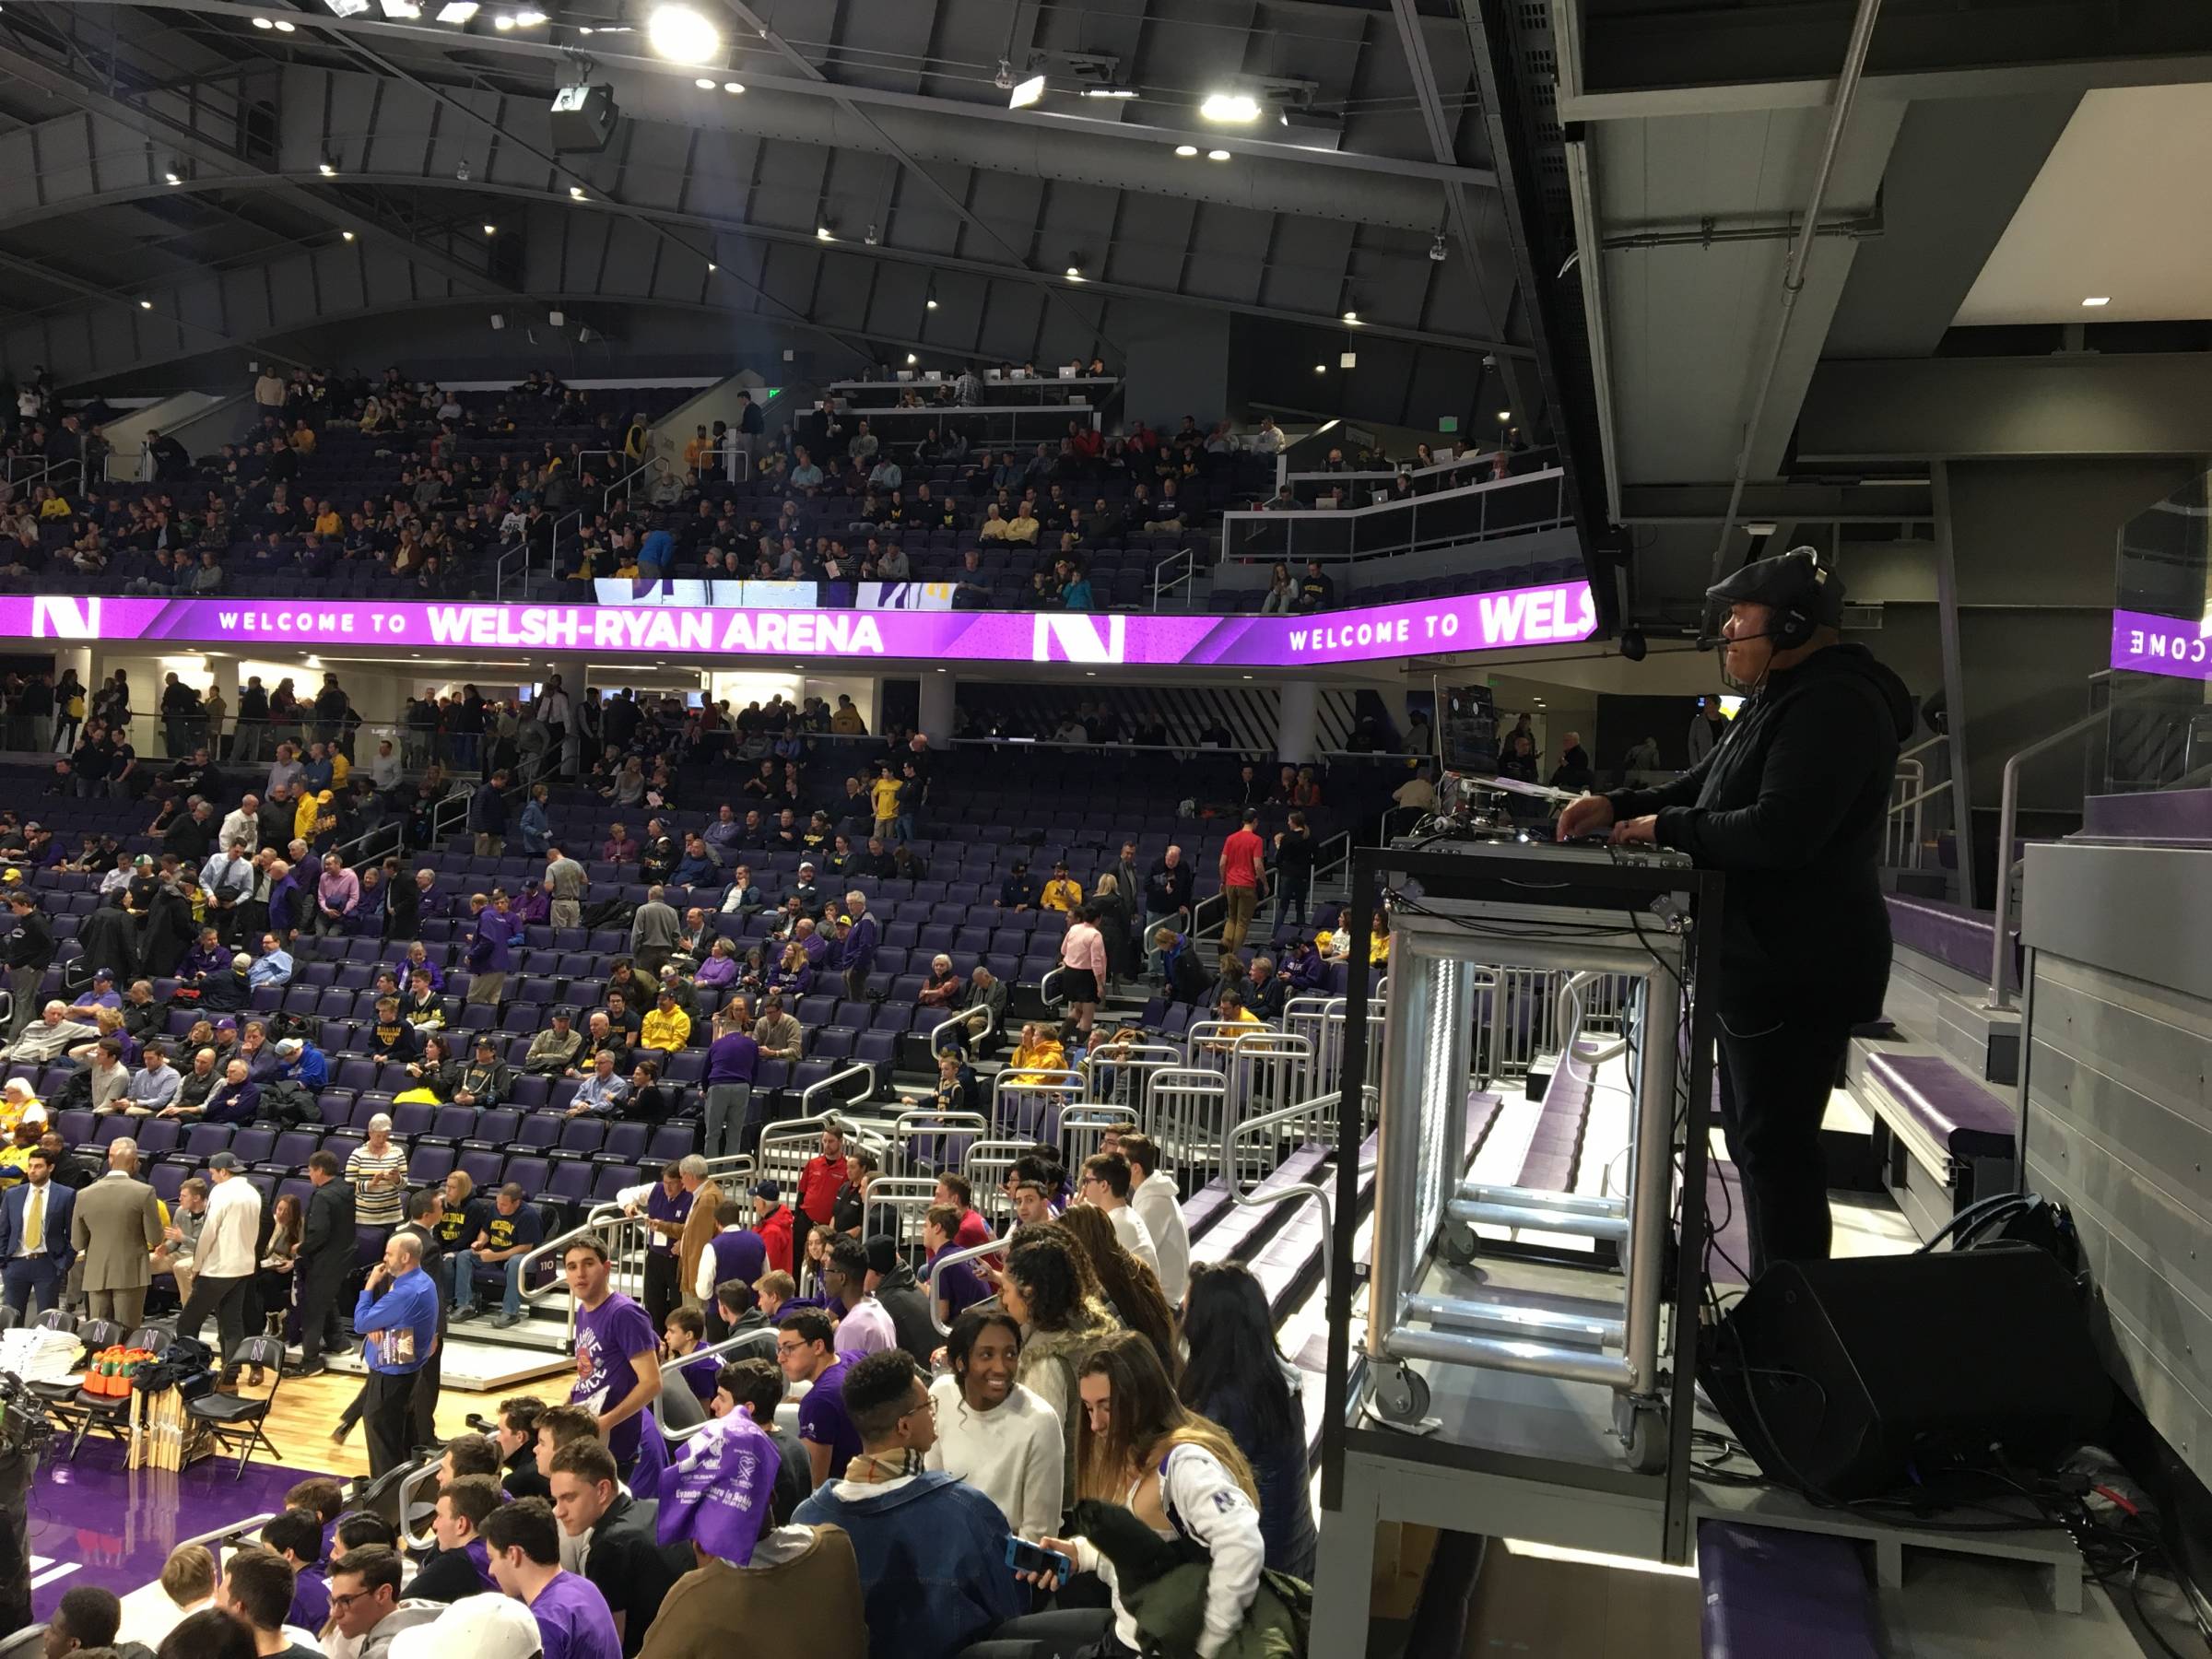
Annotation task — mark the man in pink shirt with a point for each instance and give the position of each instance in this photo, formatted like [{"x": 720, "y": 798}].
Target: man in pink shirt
[
  {"x": 1242, "y": 881},
  {"x": 337, "y": 896}
]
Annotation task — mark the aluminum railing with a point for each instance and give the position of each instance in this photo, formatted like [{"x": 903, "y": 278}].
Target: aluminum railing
[
  {"x": 712, "y": 1351},
  {"x": 1450, "y": 518},
  {"x": 624, "y": 1237},
  {"x": 1264, "y": 1129},
  {"x": 1029, "y": 1103},
  {"x": 946, "y": 1258},
  {"x": 929, "y": 1140},
  {"x": 1472, "y": 467}
]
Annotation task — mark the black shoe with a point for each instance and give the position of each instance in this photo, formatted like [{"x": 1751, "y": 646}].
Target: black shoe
[{"x": 306, "y": 1368}]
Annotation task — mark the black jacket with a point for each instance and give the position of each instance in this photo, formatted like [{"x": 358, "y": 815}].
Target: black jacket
[
  {"x": 109, "y": 939},
  {"x": 326, "y": 1241},
  {"x": 908, "y": 1304},
  {"x": 446, "y": 1576},
  {"x": 1790, "y": 806},
  {"x": 30, "y": 941}
]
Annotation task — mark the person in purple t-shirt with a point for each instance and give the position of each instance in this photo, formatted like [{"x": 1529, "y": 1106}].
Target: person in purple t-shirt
[
  {"x": 617, "y": 1352},
  {"x": 523, "y": 1545},
  {"x": 802, "y": 1349},
  {"x": 683, "y": 1333}
]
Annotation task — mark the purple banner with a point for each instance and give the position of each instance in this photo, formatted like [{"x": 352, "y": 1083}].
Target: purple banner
[
  {"x": 1557, "y": 615},
  {"x": 2147, "y": 644}
]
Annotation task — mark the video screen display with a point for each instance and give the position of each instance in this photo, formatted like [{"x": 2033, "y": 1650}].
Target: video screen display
[{"x": 1467, "y": 735}]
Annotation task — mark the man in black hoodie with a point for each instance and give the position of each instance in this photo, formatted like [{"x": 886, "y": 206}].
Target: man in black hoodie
[{"x": 1790, "y": 806}]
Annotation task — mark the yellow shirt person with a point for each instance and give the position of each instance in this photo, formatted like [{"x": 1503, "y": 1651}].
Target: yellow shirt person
[{"x": 1063, "y": 892}]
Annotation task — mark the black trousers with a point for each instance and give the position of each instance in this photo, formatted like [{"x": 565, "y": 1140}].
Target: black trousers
[
  {"x": 1776, "y": 1075},
  {"x": 1077, "y": 1633},
  {"x": 224, "y": 1298},
  {"x": 660, "y": 1290},
  {"x": 388, "y": 1410},
  {"x": 422, "y": 1403},
  {"x": 321, "y": 1329}
]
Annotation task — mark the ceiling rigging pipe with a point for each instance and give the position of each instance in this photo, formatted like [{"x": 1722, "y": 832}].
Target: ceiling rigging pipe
[{"x": 1793, "y": 282}]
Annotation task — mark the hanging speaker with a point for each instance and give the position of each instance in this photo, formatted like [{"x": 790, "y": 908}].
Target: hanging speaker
[
  {"x": 583, "y": 120},
  {"x": 1838, "y": 1376}
]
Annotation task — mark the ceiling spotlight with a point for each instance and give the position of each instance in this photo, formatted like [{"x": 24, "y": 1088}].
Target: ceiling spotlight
[
  {"x": 733, "y": 87},
  {"x": 283, "y": 27},
  {"x": 705, "y": 83},
  {"x": 346, "y": 234},
  {"x": 527, "y": 18},
  {"x": 1186, "y": 149},
  {"x": 1026, "y": 93},
  {"x": 263, "y": 23},
  {"x": 175, "y": 178},
  {"x": 459, "y": 11},
  {"x": 1505, "y": 415},
  {"x": 576, "y": 193},
  {"x": 1436, "y": 249},
  {"x": 502, "y": 22},
  {"x": 1110, "y": 91},
  {"x": 910, "y": 360},
  {"x": 682, "y": 35},
  {"x": 1217, "y": 155},
  {"x": 823, "y": 234},
  {"x": 1075, "y": 273},
  {"x": 327, "y": 170},
  {"x": 348, "y": 8},
  {"x": 1351, "y": 316},
  {"x": 1230, "y": 106},
  {"x": 930, "y": 304},
  {"x": 491, "y": 230},
  {"x": 146, "y": 305},
  {"x": 712, "y": 266},
  {"x": 870, "y": 237},
  {"x": 2098, "y": 300},
  {"x": 1321, "y": 368}
]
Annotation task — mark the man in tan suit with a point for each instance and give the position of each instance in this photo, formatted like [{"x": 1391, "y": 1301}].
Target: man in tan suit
[
  {"x": 706, "y": 1198},
  {"x": 116, "y": 1228}
]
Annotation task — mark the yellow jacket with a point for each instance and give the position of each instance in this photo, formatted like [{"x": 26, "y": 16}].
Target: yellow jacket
[
  {"x": 340, "y": 769},
  {"x": 1030, "y": 1064},
  {"x": 1062, "y": 893},
  {"x": 847, "y": 723},
  {"x": 671, "y": 1030}
]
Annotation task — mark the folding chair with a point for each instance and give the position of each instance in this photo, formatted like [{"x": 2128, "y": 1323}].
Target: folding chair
[{"x": 235, "y": 1420}]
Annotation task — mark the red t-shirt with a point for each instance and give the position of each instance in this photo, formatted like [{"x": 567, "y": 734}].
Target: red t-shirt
[{"x": 1241, "y": 860}]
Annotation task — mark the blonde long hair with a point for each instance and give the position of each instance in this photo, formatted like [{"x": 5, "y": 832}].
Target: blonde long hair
[{"x": 1145, "y": 1419}]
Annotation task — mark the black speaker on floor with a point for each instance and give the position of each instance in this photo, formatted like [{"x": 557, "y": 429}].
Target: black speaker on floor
[{"x": 1840, "y": 1376}]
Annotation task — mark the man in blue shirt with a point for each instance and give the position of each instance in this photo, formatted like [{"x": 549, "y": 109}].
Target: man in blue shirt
[
  {"x": 304, "y": 1064},
  {"x": 272, "y": 967},
  {"x": 397, "y": 1313}
]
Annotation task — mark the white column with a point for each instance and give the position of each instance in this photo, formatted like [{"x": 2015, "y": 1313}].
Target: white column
[
  {"x": 1295, "y": 722},
  {"x": 937, "y": 689}
]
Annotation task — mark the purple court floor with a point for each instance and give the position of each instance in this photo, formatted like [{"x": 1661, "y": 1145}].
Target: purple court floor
[{"x": 92, "y": 1522}]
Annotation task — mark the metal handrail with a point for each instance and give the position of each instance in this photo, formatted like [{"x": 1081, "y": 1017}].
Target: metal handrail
[
  {"x": 601, "y": 1219},
  {"x": 1249, "y": 1128},
  {"x": 409, "y": 1487},
  {"x": 1480, "y": 496},
  {"x": 946, "y": 1258},
  {"x": 807, "y": 1094},
  {"x": 712, "y": 1351},
  {"x": 1163, "y": 584},
  {"x": 964, "y": 1016}
]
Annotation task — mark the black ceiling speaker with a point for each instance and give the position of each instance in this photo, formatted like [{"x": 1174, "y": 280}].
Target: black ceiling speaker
[{"x": 584, "y": 119}]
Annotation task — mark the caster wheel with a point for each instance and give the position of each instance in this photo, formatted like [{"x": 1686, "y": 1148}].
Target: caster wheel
[
  {"x": 1647, "y": 1442},
  {"x": 1462, "y": 1248},
  {"x": 1402, "y": 1397}
]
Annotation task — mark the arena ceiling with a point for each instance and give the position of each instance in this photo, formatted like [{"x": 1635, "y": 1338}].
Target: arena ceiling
[{"x": 181, "y": 176}]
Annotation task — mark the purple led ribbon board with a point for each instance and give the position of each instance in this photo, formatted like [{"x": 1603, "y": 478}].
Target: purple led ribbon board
[
  {"x": 1559, "y": 614},
  {"x": 2147, "y": 644}
]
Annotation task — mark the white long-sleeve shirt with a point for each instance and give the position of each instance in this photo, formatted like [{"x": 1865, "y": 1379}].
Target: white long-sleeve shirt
[
  {"x": 1156, "y": 1202},
  {"x": 1208, "y": 1506},
  {"x": 1012, "y": 1454},
  {"x": 226, "y": 1247},
  {"x": 1133, "y": 1236}
]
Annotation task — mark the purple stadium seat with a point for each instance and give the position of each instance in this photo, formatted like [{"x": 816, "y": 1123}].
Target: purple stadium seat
[
  {"x": 531, "y": 1092},
  {"x": 669, "y": 1142},
  {"x": 203, "y": 1141},
  {"x": 527, "y": 1172},
  {"x": 495, "y": 1126},
  {"x": 429, "y": 1162},
  {"x": 292, "y": 1149},
  {"x": 538, "y": 1131},
  {"x": 612, "y": 1179},
  {"x": 482, "y": 1165},
  {"x": 581, "y": 1136},
  {"x": 454, "y": 1123},
  {"x": 625, "y": 1142},
  {"x": 569, "y": 1183},
  {"x": 157, "y": 1136}
]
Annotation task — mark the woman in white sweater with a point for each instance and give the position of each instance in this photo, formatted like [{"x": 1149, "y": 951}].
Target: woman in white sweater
[{"x": 993, "y": 1434}]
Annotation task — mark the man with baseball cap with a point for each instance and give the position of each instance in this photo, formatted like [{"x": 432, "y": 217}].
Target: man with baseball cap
[
  {"x": 772, "y": 1220},
  {"x": 28, "y": 952},
  {"x": 224, "y": 1262}
]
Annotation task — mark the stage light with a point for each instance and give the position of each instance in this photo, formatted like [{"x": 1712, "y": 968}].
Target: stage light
[
  {"x": 146, "y": 305},
  {"x": 576, "y": 193},
  {"x": 682, "y": 35},
  {"x": 1237, "y": 107},
  {"x": 1217, "y": 155},
  {"x": 346, "y": 234},
  {"x": 326, "y": 168},
  {"x": 1026, "y": 93},
  {"x": 733, "y": 87},
  {"x": 1186, "y": 149},
  {"x": 459, "y": 11}
]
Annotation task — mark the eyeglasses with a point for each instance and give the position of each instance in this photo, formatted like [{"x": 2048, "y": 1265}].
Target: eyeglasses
[{"x": 338, "y": 1604}]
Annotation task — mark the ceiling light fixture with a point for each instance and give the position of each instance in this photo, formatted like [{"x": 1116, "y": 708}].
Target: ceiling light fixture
[
  {"x": 1321, "y": 368},
  {"x": 823, "y": 234},
  {"x": 1186, "y": 149},
  {"x": 459, "y": 11},
  {"x": 733, "y": 87},
  {"x": 682, "y": 35},
  {"x": 1436, "y": 250},
  {"x": 912, "y": 359},
  {"x": 348, "y": 8},
  {"x": 712, "y": 266},
  {"x": 491, "y": 230},
  {"x": 1026, "y": 93},
  {"x": 1110, "y": 91},
  {"x": 1238, "y": 106},
  {"x": 404, "y": 11},
  {"x": 705, "y": 83},
  {"x": 328, "y": 170},
  {"x": 1505, "y": 414},
  {"x": 502, "y": 22},
  {"x": 1075, "y": 273},
  {"x": 146, "y": 305},
  {"x": 283, "y": 27},
  {"x": 175, "y": 178},
  {"x": 2098, "y": 300},
  {"x": 870, "y": 237},
  {"x": 1352, "y": 317},
  {"x": 1004, "y": 79},
  {"x": 528, "y": 20},
  {"x": 576, "y": 193},
  {"x": 1217, "y": 155},
  {"x": 930, "y": 304},
  {"x": 263, "y": 23},
  {"x": 346, "y": 234}
]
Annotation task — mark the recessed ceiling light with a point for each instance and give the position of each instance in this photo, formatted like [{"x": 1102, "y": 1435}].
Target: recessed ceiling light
[
  {"x": 932, "y": 305},
  {"x": 1351, "y": 316},
  {"x": 705, "y": 83},
  {"x": 1186, "y": 149},
  {"x": 1075, "y": 273},
  {"x": 459, "y": 11},
  {"x": 175, "y": 178},
  {"x": 1110, "y": 91},
  {"x": 526, "y": 19},
  {"x": 1230, "y": 106},
  {"x": 263, "y": 23},
  {"x": 1321, "y": 368},
  {"x": 146, "y": 305},
  {"x": 403, "y": 11},
  {"x": 1217, "y": 155},
  {"x": 733, "y": 87},
  {"x": 712, "y": 266},
  {"x": 491, "y": 230},
  {"x": 2098, "y": 300},
  {"x": 909, "y": 358},
  {"x": 682, "y": 35},
  {"x": 576, "y": 191},
  {"x": 326, "y": 170},
  {"x": 283, "y": 27},
  {"x": 1505, "y": 414},
  {"x": 346, "y": 234},
  {"x": 823, "y": 234}
]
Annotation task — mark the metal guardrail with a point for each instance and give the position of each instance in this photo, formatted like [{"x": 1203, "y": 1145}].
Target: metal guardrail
[
  {"x": 1028, "y": 1103},
  {"x": 1186, "y": 1113},
  {"x": 947, "y": 1258},
  {"x": 1450, "y": 518},
  {"x": 712, "y": 1351},
  {"x": 1291, "y": 1118}
]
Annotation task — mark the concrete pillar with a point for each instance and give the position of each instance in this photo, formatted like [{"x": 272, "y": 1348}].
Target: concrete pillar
[
  {"x": 937, "y": 688},
  {"x": 1295, "y": 722}
]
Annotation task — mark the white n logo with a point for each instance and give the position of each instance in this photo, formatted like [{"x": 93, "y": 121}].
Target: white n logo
[
  {"x": 1060, "y": 638},
  {"x": 62, "y": 617}
]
